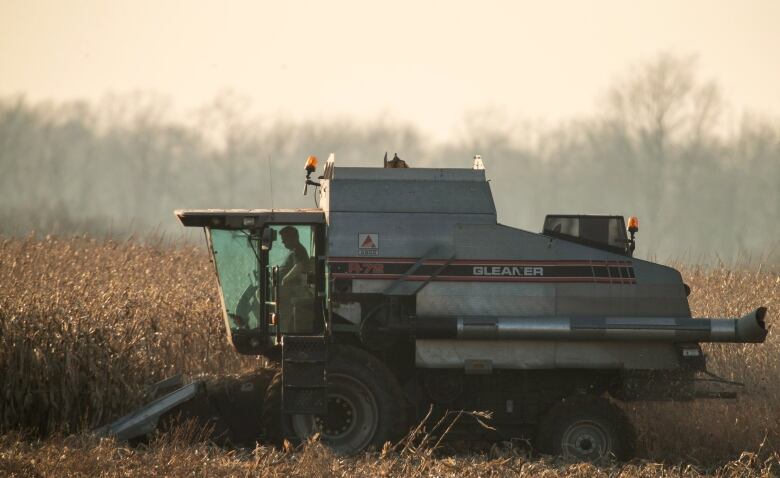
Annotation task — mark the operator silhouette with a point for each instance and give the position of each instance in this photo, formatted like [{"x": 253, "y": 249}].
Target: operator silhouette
[{"x": 296, "y": 264}]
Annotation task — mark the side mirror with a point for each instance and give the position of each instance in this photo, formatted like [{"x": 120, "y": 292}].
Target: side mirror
[{"x": 269, "y": 236}]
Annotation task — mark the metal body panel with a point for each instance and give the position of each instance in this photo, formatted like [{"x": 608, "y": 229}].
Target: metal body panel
[
  {"x": 443, "y": 296},
  {"x": 400, "y": 235},
  {"x": 478, "y": 298},
  {"x": 412, "y": 196},
  {"x": 413, "y": 211},
  {"x": 546, "y": 354},
  {"x": 410, "y": 174},
  {"x": 658, "y": 290},
  {"x": 518, "y": 299}
]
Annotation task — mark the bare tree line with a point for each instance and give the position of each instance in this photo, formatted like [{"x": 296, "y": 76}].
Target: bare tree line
[{"x": 660, "y": 147}]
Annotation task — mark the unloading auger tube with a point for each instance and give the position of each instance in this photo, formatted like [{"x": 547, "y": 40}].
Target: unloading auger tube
[{"x": 750, "y": 328}]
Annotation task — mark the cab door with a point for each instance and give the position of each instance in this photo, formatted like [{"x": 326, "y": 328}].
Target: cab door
[
  {"x": 237, "y": 258},
  {"x": 294, "y": 275}
]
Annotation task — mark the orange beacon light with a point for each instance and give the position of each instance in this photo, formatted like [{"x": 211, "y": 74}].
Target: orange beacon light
[
  {"x": 633, "y": 224},
  {"x": 311, "y": 164}
]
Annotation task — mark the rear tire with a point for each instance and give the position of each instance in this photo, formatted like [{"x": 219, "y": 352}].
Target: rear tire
[
  {"x": 366, "y": 407},
  {"x": 586, "y": 428}
]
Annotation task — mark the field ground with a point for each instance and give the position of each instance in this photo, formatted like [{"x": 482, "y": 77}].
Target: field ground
[{"x": 86, "y": 325}]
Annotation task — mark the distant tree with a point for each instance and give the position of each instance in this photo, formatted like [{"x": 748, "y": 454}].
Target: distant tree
[
  {"x": 224, "y": 124},
  {"x": 662, "y": 101},
  {"x": 669, "y": 118}
]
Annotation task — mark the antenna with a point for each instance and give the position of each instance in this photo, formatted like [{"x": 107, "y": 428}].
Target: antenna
[{"x": 270, "y": 180}]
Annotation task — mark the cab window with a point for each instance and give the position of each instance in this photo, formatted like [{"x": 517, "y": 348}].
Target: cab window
[{"x": 238, "y": 269}]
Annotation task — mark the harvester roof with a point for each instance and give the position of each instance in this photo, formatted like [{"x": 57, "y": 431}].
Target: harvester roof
[{"x": 242, "y": 218}]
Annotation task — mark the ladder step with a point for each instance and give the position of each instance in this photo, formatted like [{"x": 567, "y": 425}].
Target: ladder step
[
  {"x": 304, "y": 384},
  {"x": 304, "y": 374},
  {"x": 304, "y": 348}
]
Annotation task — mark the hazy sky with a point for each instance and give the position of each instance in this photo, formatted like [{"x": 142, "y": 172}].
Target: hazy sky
[{"x": 422, "y": 62}]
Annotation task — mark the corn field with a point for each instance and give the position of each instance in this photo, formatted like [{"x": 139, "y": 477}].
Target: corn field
[{"x": 87, "y": 325}]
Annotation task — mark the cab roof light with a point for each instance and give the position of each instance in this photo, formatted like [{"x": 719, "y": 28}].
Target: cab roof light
[
  {"x": 311, "y": 164},
  {"x": 633, "y": 224}
]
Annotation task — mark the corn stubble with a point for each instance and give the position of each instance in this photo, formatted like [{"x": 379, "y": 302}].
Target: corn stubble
[{"x": 87, "y": 325}]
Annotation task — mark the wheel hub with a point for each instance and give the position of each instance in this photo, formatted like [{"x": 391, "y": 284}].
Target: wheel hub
[
  {"x": 586, "y": 440},
  {"x": 340, "y": 417},
  {"x": 584, "y": 443}
]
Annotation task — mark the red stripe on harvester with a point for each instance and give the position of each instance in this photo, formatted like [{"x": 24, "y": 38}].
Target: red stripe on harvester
[
  {"x": 601, "y": 280},
  {"x": 462, "y": 262}
]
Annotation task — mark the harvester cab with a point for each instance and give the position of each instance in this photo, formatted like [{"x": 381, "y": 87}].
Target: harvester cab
[{"x": 270, "y": 269}]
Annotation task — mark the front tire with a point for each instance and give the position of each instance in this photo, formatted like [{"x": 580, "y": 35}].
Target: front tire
[
  {"x": 366, "y": 407},
  {"x": 586, "y": 428}
]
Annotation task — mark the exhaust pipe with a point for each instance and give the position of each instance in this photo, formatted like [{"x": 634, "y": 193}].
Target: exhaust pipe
[{"x": 751, "y": 328}]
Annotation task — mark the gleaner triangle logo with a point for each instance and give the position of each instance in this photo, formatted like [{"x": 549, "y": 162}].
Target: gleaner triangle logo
[{"x": 368, "y": 243}]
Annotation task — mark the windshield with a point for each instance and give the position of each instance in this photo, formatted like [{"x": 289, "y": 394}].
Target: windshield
[{"x": 236, "y": 258}]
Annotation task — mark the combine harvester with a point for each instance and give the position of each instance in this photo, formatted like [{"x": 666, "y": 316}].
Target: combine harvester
[{"x": 402, "y": 292}]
